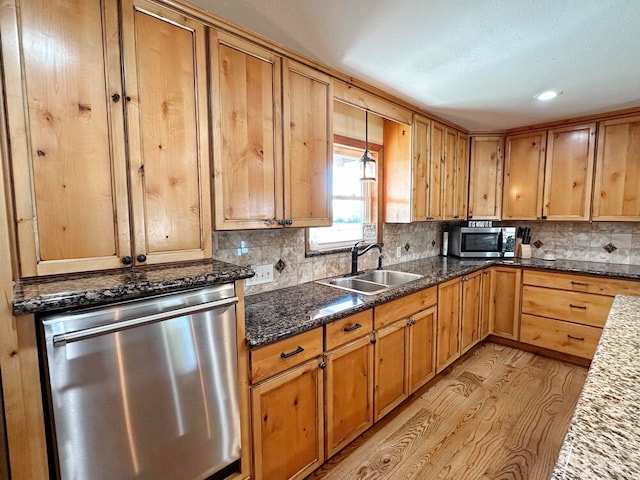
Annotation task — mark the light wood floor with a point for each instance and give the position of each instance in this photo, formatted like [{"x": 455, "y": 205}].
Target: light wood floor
[{"x": 500, "y": 413}]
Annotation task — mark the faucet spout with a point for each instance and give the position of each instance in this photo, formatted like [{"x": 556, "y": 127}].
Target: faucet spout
[{"x": 355, "y": 253}]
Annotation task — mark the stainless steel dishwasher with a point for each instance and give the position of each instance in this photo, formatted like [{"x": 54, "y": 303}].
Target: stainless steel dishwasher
[{"x": 146, "y": 389}]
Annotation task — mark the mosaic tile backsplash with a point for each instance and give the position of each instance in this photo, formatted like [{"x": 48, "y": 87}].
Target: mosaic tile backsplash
[
  {"x": 609, "y": 242},
  {"x": 284, "y": 249}
]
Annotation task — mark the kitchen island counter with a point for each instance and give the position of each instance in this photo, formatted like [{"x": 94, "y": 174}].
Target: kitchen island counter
[{"x": 603, "y": 439}]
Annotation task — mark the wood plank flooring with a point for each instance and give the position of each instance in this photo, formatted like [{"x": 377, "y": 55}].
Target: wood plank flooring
[{"x": 499, "y": 413}]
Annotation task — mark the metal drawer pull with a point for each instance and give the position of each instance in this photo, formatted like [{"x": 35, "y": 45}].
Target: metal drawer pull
[
  {"x": 291, "y": 354},
  {"x": 351, "y": 329},
  {"x": 581, "y": 307},
  {"x": 575, "y": 338},
  {"x": 584, "y": 284},
  {"x": 75, "y": 336}
]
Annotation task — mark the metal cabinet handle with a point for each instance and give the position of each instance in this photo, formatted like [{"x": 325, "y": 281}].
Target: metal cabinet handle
[
  {"x": 75, "y": 336},
  {"x": 575, "y": 338},
  {"x": 352, "y": 328},
  {"x": 291, "y": 354},
  {"x": 373, "y": 341},
  {"x": 583, "y": 284},
  {"x": 127, "y": 260},
  {"x": 581, "y": 307},
  {"x": 322, "y": 365},
  {"x": 141, "y": 258},
  {"x": 115, "y": 97},
  {"x": 288, "y": 221}
]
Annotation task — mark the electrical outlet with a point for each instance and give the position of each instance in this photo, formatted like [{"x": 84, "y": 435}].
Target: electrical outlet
[
  {"x": 398, "y": 252},
  {"x": 264, "y": 274}
]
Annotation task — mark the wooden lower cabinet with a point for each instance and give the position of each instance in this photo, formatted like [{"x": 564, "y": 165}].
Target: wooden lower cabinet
[
  {"x": 288, "y": 423},
  {"x": 504, "y": 305},
  {"x": 422, "y": 353},
  {"x": 348, "y": 393},
  {"x": 487, "y": 299},
  {"x": 566, "y": 337},
  {"x": 448, "y": 340},
  {"x": 391, "y": 368},
  {"x": 470, "y": 318}
]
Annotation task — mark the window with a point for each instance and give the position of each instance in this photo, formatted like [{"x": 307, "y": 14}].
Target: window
[{"x": 355, "y": 207}]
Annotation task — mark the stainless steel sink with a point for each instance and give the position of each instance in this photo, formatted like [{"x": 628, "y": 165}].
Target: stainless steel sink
[
  {"x": 370, "y": 283},
  {"x": 390, "y": 278}
]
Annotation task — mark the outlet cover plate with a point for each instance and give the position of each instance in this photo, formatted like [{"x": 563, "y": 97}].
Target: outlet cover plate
[{"x": 264, "y": 274}]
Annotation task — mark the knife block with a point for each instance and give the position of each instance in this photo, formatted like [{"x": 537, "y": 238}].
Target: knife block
[{"x": 522, "y": 250}]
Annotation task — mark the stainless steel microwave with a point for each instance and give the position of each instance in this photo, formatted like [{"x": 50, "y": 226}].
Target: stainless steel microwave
[{"x": 491, "y": 242}]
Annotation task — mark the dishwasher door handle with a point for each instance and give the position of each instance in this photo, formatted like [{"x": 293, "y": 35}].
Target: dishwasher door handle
[{"x": 62, "y": 339}]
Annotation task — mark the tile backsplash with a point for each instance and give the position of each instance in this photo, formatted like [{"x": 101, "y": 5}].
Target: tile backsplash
[
  {"x": 611, "y": 242},
  {"x": 260, "y": 247}
]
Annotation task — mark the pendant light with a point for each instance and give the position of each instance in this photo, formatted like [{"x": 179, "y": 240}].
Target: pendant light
[{"x": 367, "y": 160}]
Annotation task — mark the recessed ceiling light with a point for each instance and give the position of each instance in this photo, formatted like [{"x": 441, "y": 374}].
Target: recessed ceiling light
[{"x": 546, "y": 95}]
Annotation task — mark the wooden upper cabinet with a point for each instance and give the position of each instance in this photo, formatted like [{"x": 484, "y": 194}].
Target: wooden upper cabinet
[
  {"x": 524, "y": 176},
  {"x": 617, "y": 184},
  {"x": 485, "y": 178},
  {"x": 449, "y": 175},
  {"x": 308, "y": 145},
  {"x": 569, "y": 172},
  {"x": 165, "y": 75},
  {"x": 421, "y": 168},
  {"x": 247, "y": 150},
  {"x": 405, "y": 170},
  {"x": 462, "y": 177},
  {"x": 438, "y": 146},
  {"x": 78, "y": 205},
  {"x": 69, "y": 170}
]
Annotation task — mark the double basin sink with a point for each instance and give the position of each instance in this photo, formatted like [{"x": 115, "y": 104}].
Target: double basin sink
[{"x": 370, "y": 283}]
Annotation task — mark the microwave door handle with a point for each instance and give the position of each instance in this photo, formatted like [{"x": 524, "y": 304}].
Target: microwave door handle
[
  {"x": 500, "y": 242},
  {"x": 77, "y": 335}
]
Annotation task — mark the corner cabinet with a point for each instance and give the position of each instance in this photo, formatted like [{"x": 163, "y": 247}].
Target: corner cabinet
[
  {"x": 77, "y": 207},
  {"x": 485, "y": 178},
  {"x": 256, "y": 184},
  {"x": 617, "y": 184}
]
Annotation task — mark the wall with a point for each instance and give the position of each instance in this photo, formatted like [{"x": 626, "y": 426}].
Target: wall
[
  {"x": 586, "y": 241},
  {"x": 258, "y": 247}
]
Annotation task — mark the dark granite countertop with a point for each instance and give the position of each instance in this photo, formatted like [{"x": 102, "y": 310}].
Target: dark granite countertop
[
  {"x": 603, "y": 438},
  {"x": 279, "y": 314},
  {"x": 45, "y": 294}
]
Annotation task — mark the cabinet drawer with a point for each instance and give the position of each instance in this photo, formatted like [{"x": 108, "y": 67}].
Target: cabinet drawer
[
  {"x": 347, "y": 329},
  {"x": 403, "y": 307},
  {"x": 582, "y": 283},
  {"x": 575, "y": 307},
  {"x": 278, "y": 357},
  {"x": 579, "y": 340}
]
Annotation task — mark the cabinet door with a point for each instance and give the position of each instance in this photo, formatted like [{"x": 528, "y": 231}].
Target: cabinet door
[
  {"x": 348, "y": 393},
  {"x": 165, "y": 75},
  {"x": 569, "y": 172},
  {"x": 485, "y": 178},
  {"x": 421, "y": 131},
  {"x": 524, "y": 176},
  {"x": 486, "y": 311},
  {"x": 247, "y": 150},
  {"x": 308, "y": 145},
  {"x": 69, "y": 170},
  {"x": 392, "y": 383},
  {"x": 449, "y": 175},
  {"x": 462, "y": 177},
  {"x": 505, "y": 293},
  {"x": 288, "y": 422},
  {"x": 616, "y": 194},
  {"x": 422, "y": 348},
  {"x": 436, "y": 167},
  {"x": 448, "y": 341},
  {"x": 471, "y": 311}
]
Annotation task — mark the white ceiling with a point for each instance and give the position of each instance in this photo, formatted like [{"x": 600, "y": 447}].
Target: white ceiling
[{"x": 475, "y": 62}]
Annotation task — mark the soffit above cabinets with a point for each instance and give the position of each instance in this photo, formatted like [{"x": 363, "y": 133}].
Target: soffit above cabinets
[{"x": 477, "y": 64}]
